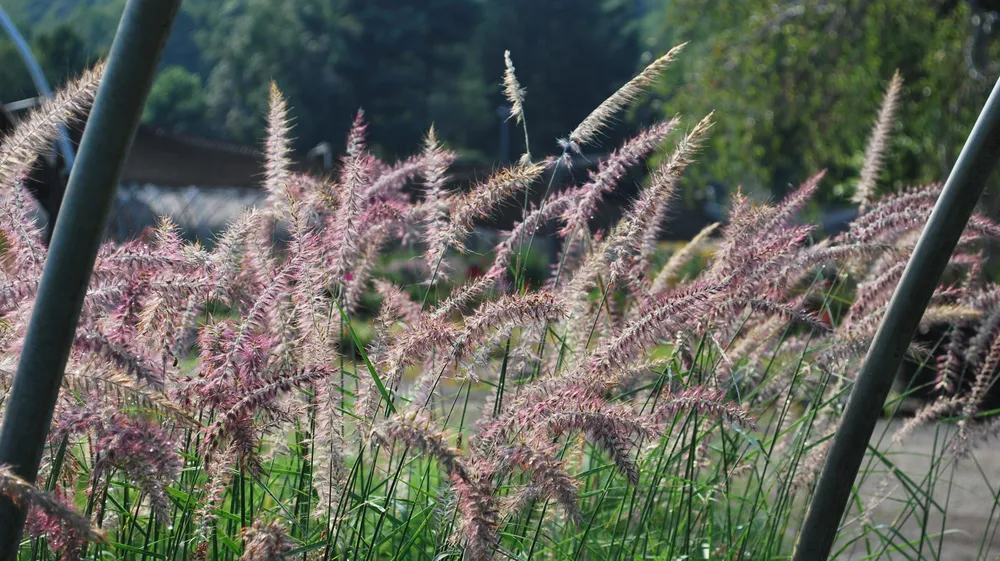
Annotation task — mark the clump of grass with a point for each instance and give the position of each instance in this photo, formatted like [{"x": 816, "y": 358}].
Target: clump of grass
[{"x": 617, "y": 410}]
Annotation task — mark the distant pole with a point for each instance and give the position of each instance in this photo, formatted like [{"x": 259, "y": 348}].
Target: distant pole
[
  {"x": 135, "y": 54},
  {"x": 923, "y": 271},
  {"x": 38, "y": 79}
]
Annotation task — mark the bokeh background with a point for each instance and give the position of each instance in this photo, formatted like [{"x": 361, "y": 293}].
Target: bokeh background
[{"x": 794, "y": 84}]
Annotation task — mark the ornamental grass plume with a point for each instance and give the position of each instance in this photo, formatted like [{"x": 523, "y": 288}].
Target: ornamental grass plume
[
  {"x": 350, "y": 395},
  {"x": 588, "y": 130},
  {"x": 486, "y": 197},
  {"x": 548, "y": 476},
  {"x": 878, "y": 143},
  {"x": 39, "y": 129},
  {"x": 265, "y": 542},
  {"x": 512, "y": 89},
  {"x": 435, "y": 201},
  {"x": 50, "y": 515},
  {"x": 587, "y": 198},
  {"x": 672, "y": 270},
  {"x": 143, "y": 452},
  {"x": 636, "y": 235},
  {"x": 277, "y": 151}
]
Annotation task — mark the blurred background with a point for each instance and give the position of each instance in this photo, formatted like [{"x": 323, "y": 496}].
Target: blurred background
[{"x": 795, "y": 86}]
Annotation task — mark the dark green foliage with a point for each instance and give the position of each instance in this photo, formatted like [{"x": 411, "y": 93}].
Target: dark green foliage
[
  {"x": 298, "y": 44},
  {"x": 60, "y": 52},
  {"x": 407, "y": 63},
  {"x": 569, "y": 56},
  {"x": 796, "y": 86},
  {"x": 15, "y": 82},
  {"x": 177, "y": 101},
  {"x": 420, "y": 50}
]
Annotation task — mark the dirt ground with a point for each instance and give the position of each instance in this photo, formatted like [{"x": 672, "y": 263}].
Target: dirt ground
[{"x": 969, "y": 500}]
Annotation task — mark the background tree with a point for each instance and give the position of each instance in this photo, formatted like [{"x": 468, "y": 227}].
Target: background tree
[
  {"x": 60, "y": 52},
  {"x": 177, "y": 101},
  {"x": 569, "y": 56},
  {"x": 15, "y": 82},
  {"x": 408, "y": 67},
  {"x": 408, "y": 63},
  {"x": 796, "y": 84},
  {"x": 297, "y": 43}
]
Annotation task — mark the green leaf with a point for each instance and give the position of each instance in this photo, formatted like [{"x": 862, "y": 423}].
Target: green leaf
[
  {"x": 364, "y": 355},
  {"x": 133, "y": 549},
  {"x": 306, "y": 549}
]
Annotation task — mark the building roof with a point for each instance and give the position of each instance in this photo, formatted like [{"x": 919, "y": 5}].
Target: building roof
[{"x": 168, "y": 159}]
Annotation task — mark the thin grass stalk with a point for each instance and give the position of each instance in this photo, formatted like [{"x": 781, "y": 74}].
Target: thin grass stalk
[{"x": 774, "y": 441}]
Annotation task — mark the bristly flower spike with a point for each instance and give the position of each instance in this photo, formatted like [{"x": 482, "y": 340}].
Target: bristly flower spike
[
  {"x": 512, "y": 89},
  {"x": 587, "y": 131},
  {"x": 24, "y": 493},
  {"x": 19, "y": 150},
  {"x": 277, "y": 150},
  {"x": 610, "y": 172},
  {"x": 515, "y": 95},
  {"x": 878, "y": 144},
  {"x": 265, "y": 542}
]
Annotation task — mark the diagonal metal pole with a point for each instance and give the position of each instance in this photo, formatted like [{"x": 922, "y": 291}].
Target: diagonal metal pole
[
  {"x": 923, "y": 271},
  {"x": 135, "y": 53}
]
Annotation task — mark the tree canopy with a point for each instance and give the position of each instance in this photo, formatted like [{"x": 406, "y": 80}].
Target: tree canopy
[
  {"x": 795, "y": 84},
  {"x": 407, "y": 63}
]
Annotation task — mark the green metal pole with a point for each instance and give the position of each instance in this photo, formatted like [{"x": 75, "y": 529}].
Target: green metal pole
[
  {"x": 135, "y": 53},
  {"x": 923, "y": 271}
]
